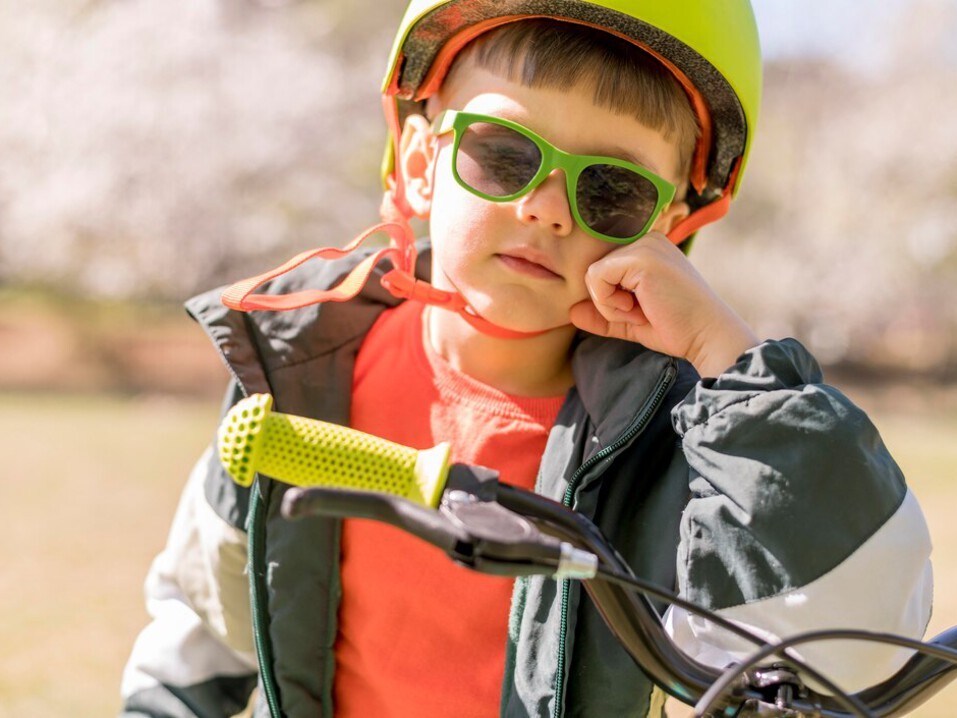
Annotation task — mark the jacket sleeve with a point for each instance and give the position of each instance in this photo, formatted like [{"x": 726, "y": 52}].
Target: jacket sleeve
[
  {"x": 196, "y": 657},
  {"x": 799, "y": 519}
]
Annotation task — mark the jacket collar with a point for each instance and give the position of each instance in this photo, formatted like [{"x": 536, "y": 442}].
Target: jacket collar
[
  {"x": 615, "y": 379},
  {"x": 256, "y": 344}
]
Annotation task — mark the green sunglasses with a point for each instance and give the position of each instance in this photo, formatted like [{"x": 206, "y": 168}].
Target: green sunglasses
[{"x": 500, "y": 161}]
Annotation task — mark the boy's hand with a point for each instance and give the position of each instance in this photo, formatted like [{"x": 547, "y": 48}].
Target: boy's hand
[{"x": 648, "y": 292}]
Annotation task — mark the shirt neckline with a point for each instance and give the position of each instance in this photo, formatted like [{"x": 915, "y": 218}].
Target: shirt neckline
[{"x": 456, "y": 387}]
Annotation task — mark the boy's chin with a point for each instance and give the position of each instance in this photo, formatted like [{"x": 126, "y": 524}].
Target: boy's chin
[{"x": 524, "y": 319}]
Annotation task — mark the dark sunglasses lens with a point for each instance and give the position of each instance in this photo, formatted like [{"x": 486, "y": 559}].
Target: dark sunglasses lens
[
  {"x": 496, "y": 160},
  {"x": 615, "y": 201}
]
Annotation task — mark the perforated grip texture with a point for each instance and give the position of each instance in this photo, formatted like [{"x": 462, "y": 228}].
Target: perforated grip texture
[{"x": 306, "y": 452}]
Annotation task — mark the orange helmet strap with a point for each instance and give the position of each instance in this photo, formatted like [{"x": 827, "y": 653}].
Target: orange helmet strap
[
  {"x": 709, "y": 213},
  {"x": 400, "y": 281}
]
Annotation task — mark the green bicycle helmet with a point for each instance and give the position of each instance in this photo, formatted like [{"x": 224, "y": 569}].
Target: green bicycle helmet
[{"x": 710, "y": 46}]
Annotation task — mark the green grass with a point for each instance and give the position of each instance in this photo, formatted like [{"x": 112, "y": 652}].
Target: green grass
[{"x": 88, "y": 492}]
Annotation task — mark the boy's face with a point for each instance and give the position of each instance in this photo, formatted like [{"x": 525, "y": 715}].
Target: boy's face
[{"x": 522, "y": 264}]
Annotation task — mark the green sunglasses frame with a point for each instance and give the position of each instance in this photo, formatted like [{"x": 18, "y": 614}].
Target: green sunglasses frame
[{"x": 553, "y": 158}]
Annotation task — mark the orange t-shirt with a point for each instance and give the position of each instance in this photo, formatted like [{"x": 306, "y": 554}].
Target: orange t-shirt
[{"x": 418, "y": 635}]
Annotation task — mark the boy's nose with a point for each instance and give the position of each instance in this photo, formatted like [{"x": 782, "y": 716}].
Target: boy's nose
[{"x": 547, "y": 205}]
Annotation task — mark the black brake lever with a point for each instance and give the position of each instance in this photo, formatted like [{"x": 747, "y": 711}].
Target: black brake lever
[
  {"x": 468, "y": 526},
  {"x": 424, "y": 523},
  {"x": 508, "y": 544}
]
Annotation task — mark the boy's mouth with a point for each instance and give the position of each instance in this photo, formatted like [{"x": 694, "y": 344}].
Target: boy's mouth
[{"x": 529, "y": 263}]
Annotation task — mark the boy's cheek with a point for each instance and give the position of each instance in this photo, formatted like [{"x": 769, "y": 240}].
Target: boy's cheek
[{"x": 599, "y": 249}]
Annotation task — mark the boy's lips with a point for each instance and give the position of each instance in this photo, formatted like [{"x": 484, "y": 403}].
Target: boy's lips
[{"x": 529, "y": 262}]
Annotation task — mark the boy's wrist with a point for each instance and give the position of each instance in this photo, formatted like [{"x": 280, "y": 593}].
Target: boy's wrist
[{"x": 719, "y": 351}]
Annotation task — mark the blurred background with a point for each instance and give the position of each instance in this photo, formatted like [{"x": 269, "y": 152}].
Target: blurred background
[{"x": 151, "y": 150}]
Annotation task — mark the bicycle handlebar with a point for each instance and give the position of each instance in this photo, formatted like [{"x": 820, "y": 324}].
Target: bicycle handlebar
[
  {"x": 307, "y": 452},
  {"x": 502, "y": 530}
]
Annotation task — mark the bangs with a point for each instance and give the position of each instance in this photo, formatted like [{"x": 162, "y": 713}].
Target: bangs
[{"x": 551, "y": 54}]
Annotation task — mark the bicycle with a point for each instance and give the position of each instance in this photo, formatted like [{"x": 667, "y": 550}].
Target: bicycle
[{"x": 502, "y": 530}]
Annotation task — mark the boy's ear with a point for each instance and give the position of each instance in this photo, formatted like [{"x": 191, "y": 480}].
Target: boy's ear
[
  {"x": 674, "y": 214},
  {"x": 417, "y": 149}
]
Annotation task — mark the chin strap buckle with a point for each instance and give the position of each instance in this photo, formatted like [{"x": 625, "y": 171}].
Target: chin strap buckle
[{"x": 403, "y": 285}]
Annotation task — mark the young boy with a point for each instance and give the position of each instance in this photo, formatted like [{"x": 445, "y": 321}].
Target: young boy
[{"x": 584, "y": 357}]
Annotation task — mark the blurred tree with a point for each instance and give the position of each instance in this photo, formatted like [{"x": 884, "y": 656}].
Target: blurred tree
[
  {"x": 845, "y": 233},
  {"x": 153, "y": 148}
]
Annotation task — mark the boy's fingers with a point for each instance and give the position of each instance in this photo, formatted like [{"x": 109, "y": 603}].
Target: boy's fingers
[
  {"x": 586, "y": 317},
  {"x": 619, "y": 300},
  {"x": 620, "y": 324},
  {"x": 606, "y": 276},
  {"x": 607, "y": 294},
  {"x": 615, "y": 303}
]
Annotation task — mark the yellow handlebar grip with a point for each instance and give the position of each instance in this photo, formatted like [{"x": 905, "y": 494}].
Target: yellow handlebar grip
[{"x": 307, "y": 452}]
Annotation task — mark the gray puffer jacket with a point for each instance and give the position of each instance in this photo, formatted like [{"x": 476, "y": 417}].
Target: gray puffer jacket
[{"x": 762, "y": 493}]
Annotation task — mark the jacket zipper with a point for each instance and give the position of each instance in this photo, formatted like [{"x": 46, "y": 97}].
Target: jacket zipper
[
  {"x": 649, "y": 410},
  {"x": 257, "y": 604}
]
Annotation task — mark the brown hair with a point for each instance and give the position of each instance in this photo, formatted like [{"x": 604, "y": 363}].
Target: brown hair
[{"x": 627, "y": 80}]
